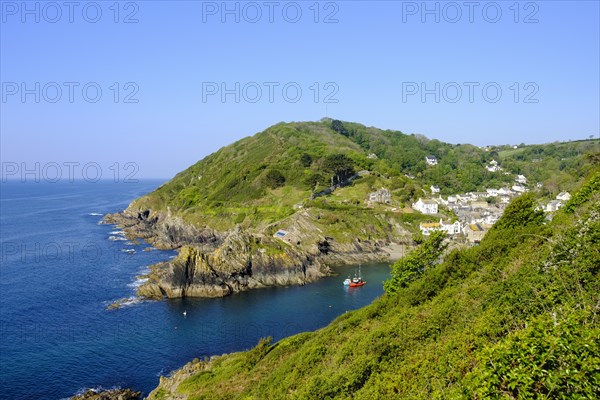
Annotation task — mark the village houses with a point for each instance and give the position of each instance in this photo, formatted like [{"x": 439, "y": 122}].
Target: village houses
[
  {"x": 426, "y": 206},
  {"x": 521, "y": 179},
  {"x": 451, "y": 228},
  {"x": 563, "y": 196},
  {"x": 493, "y": 166}
]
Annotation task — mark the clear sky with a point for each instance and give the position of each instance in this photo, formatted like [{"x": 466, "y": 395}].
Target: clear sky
[{"x": 181, "y": 79}]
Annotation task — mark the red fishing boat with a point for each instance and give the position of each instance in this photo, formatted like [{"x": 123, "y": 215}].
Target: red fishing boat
[{"x": 357, "y": 280}]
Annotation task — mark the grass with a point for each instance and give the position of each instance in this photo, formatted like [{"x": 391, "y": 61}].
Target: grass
[{"x": 459, "y": 331}]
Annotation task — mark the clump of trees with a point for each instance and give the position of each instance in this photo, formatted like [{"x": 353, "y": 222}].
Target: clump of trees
[
  {"x": 274, "y": 178},
  {"x": 340, "y": 166},
  {"x": 413, "y": 265}
]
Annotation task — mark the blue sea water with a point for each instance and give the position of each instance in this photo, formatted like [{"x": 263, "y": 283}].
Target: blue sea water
[{"x": 59, "y": 271}]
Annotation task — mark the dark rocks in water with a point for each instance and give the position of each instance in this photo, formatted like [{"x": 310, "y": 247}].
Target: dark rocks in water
[{"x": 114, "y": 394}]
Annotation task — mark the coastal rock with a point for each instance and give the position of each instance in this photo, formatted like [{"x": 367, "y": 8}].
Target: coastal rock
[
  {"x": 114, "y": 394},
  {"x": 162, "y": 230},
  {"x": 243, "y": 261},
  {"x": 217, "y": 264}
]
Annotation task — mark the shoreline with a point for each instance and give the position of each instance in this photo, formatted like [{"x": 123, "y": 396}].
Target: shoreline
[{"x": 212, "y": 264}]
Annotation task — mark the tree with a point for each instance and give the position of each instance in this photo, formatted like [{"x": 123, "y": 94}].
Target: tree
[
  {"x": 413, "y": 265},
  {"x": 339, "y": 127},
  {"x": 340, "y": 165},
  {"x": 274, "y": 179},
  {"x": 520, "y": 213},
  {"x": 306, "y": 160}
]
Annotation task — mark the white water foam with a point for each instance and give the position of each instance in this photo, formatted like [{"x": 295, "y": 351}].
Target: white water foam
[{"x": 137, "y": 283}]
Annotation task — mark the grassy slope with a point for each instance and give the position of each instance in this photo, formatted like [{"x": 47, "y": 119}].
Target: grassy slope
[
  {"x": 515, "y": 317},
  {"x": 229, "y": 187}
]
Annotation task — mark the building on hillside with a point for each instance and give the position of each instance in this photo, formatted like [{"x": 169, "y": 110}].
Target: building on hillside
[
  {"x": 478, "y": 195},
  {"x": 426, "y": 206},
  {"x": 372, "y": 156},
  {"x": 431, "y": 160},
  {"x": 521, "y": 179},
  {"x": 434, "y": 189},
  {"x": 493, "y": 166},
  {"x": 564, "y": 196},
  {"x": 381, "y": 196},
  {"x": 479, "y": 205},
  {"x": 519, "y": 189},
  {"x": 553, "y": 205},
  {"x": 475, "y": 232},
  {"x": 451, "y": 228},
  {"x": 492, "y": 192}
]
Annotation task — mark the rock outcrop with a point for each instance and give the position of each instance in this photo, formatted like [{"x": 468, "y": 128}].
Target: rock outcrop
[
  {"x": 114, "y": 394},
  {"x": 216, "y": 264}
]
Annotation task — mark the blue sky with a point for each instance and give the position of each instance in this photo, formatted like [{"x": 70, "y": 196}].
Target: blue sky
[{"x": 433, "y": 68}]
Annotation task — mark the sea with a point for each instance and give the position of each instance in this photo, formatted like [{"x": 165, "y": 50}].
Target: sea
[{"x": 60, "y": 268}]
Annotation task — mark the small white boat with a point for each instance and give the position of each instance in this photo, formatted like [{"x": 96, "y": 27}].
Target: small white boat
[{"x": 347, "y": 282}]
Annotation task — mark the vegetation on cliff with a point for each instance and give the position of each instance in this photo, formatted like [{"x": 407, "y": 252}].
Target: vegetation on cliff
[
  {"x": 311, "y": 181},
  {"x": 515, "y": 317},
  {"x": 263, "y": 179}
]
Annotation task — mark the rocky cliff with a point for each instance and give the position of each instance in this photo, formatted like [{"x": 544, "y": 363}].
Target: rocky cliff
[{"x": 216, "y": 264}]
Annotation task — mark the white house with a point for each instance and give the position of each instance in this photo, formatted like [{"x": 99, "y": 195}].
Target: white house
[
  {"x": 553, "y": 206},
  {"x": 431, "y": 160},
  {"x": 426, "y": 206},
  {"x": 452, "y": 199},
  {"x": 449, "y": 228},
  {"x": 493, "y": 166},
  {"x": 519, "y": 189},
  {"x": 492, "y": 192},
  {"x": 434, "y": 189},
  {"x": 372, "y": 156},
  {"x": 505, "y": 192},
  {"x": 521, "y": 179},
  {"x": 381, "y": 196},
  {"x": 564, "y": 196}
]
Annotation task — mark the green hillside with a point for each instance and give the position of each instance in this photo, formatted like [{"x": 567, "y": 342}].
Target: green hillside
[
  {"x": 516, "y": 317},
  {"x": 264, "y": 178}
]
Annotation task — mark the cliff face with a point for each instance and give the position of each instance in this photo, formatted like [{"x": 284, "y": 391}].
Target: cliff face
[{"x": 216, "y": 264}]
